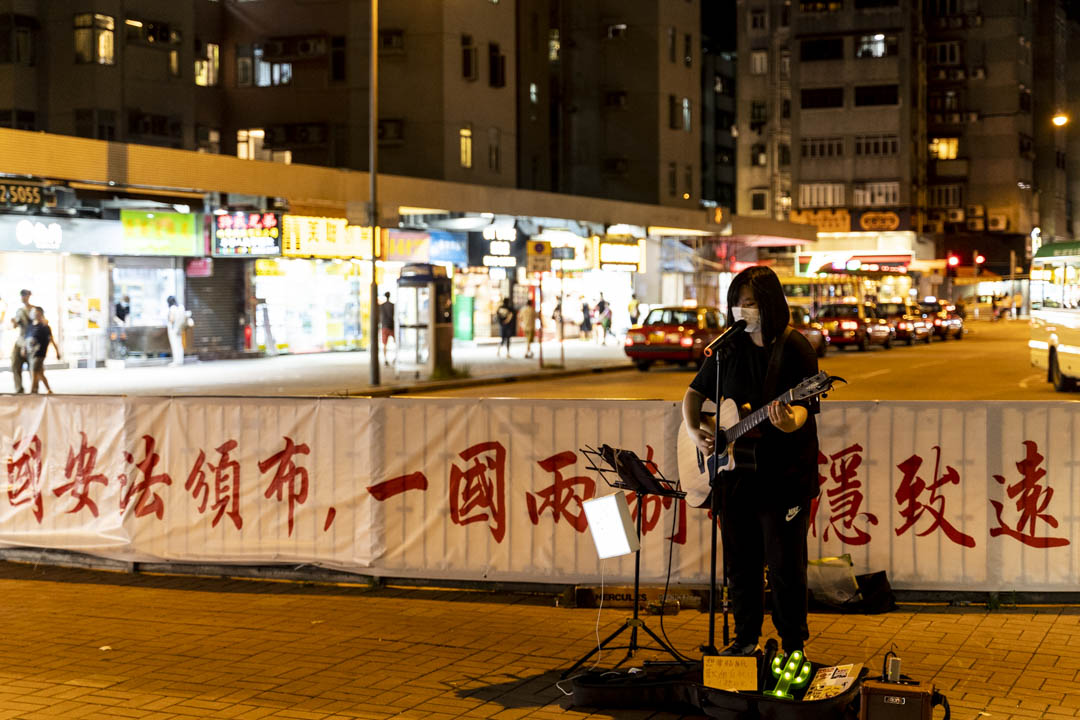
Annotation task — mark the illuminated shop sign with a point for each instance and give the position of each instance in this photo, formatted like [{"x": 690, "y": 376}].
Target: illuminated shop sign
[
  {"x": 500, "y": 232},
  {"x": 161, "y": 233},
  {"x": 247, "y": 234},
  {"x": 324, "y": 237},
  {"x": 621, "y": 253}
]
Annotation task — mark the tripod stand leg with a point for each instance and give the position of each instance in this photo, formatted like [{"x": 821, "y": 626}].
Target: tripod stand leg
[
  {"x": 664, "y": 646},
  {"x": 597, "y": 649}
]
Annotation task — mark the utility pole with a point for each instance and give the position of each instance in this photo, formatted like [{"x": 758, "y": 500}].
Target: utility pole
[{"x": 373, "y": 207}]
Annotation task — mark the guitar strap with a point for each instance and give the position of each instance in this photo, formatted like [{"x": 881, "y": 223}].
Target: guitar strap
[{"x": 774, "y": 363}]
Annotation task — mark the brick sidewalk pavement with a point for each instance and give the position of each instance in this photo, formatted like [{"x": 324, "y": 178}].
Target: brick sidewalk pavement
[{"x": 87, "y": 644}]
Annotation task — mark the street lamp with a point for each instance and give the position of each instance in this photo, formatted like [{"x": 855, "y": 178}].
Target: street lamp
[{"x": 1060, "y": 119}]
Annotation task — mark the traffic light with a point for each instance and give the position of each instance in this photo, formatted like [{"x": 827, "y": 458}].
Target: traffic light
[
  {"x": 979, "y": 260},
  {"x": 950, "y": 266}
]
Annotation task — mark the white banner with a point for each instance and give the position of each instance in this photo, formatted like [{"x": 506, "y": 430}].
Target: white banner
[{"x": 972, "y": 496}]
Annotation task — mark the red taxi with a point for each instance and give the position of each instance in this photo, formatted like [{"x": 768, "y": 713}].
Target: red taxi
[
  {"x": 947, "y": 322},
  {"x": 812, "y": 330},
  {"x": 908, "y": 321},
  {"x": 673, "y": 334},
  {"x": 855, "y": 324}
]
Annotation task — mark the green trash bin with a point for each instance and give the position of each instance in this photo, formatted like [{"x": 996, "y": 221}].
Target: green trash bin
[{"x": 463, "y": 317}]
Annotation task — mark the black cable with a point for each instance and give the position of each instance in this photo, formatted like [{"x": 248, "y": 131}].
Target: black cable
[
  {"x": 885, "y": 665},
  {"x": 667, "y": 582}
]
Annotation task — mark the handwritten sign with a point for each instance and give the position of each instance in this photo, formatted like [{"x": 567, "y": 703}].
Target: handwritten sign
[{"x": 731, "y": 673}]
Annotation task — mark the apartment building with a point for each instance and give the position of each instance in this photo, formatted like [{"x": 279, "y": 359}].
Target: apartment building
[{"x": 718, "y": 60}]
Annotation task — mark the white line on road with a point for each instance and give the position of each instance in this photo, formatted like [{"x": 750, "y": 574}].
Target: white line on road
[
  {"x": 872, "y": 374},
  {"x": 926, "y": 364},
  {"x": 1029, "y": 378}
]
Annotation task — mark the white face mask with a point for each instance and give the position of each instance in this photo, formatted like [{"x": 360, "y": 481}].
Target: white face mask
[{"x": 750, "y": 315}]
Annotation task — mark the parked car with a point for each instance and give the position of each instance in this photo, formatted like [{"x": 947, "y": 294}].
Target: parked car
[
  {"x": 673, "y": 334},
  {"x": 855, "y": 324},
  {"x": 947, "y": 322},
  {"x": 812, "y": 330},
  {"x": 908, "y": 321}
]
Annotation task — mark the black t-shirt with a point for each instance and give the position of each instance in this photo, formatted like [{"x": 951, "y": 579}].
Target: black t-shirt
[
  {"x": 386, "y": 315},
  {"x": 786, "y": 462},
  {"x": 41, "y": 335}
]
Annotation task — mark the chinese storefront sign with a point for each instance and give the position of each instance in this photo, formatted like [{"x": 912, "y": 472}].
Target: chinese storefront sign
[{"x": 247, "y": 234}]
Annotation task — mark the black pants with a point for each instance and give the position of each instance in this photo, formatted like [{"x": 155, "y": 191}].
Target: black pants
[{"x": 755, "y": 534}]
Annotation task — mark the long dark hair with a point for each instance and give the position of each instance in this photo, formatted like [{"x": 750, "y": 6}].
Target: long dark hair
[{"x": 769, "y": 293}]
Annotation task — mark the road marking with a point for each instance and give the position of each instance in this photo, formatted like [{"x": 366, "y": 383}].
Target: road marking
[
  {"x": 1029, "y": 378},
  {"x": 927, "y": 364},
  {"x": 872, "y": 374}
]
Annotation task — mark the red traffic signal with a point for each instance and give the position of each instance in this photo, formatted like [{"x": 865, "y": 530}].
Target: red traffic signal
[
  {"x": 953, "y": 261},
  {"x": 980, "y": 259}
]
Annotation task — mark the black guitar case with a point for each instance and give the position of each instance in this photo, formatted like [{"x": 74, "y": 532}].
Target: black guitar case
[{"x": 678, "y": 688}]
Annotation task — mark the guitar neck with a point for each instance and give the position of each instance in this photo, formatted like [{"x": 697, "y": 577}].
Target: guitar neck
[{"x": 752, "y": 420}]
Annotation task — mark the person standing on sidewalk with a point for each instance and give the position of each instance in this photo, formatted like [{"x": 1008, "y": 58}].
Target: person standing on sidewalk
[
  {"x": 765, "y": 511},
  {"x": 586, "y": 319},
  {"x": 505, "y": 316},
  {"x": 386, "y": 325},
  {"x": 175, "y": 322},
  {"x": 23, "y": 322},
  {"x": 634, "y": 307},
  {"x": 38, "y": 340},
  {"x": 527, "y": 318}
]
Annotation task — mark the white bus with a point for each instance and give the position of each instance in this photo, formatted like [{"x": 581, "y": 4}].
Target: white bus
[{"x": 1055, "y": 313}]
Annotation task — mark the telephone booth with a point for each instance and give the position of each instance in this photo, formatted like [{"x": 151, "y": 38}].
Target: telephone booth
[{"x": 425, "y": 329}]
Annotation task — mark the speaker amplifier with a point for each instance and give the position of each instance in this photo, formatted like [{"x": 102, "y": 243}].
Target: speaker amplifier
[{"x": 895, "y": 701}]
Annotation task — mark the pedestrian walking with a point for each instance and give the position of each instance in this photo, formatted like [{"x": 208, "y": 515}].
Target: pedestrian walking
[
  {"x": 527, "y": 318},
  {"x": 386, "y": 325},
  {"x": 586, "y": 319},
  {"x": 603, "y": 317},
  {"x": 22, "y": 322},
  {"x": 505, "y": 317},
  {"x": 38, "y": 340},
  {"x": 175, "y": 322},
  {"x": 634, "y": 307}
]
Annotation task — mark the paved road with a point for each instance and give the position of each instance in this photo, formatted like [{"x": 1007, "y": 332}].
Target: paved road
[
  {"x": 990, "y": 363},
  {"x": 81, "y": 644}
]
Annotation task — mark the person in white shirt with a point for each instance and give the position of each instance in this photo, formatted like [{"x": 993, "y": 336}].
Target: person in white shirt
[{"x": 175, "y": 323}]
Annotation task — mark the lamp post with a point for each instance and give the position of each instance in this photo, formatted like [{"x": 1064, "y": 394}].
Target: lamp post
[{"x": 373, "y": 209}]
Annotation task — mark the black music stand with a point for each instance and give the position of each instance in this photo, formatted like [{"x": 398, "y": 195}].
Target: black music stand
[{"x": 634, "y": 476}]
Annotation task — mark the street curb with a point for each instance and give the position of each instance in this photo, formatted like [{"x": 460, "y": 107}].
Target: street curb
[{"x": 437, "y": 385}]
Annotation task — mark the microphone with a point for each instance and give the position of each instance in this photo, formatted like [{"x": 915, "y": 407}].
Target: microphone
[{"x": 725, "y": 337}]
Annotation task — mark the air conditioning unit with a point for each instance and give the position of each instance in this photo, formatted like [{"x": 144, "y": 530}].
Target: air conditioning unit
[
  {"x": 954, "y": 118},
  {"x": 941, "y": 74},
  {"x": 976, "y": 211},
  {"x": 935, "y": 228},
  {"x": 973, "y": 117},
  {"x": 956, "y": 215},
  {"x": 308, "y": 47},
  {"x": 978, "y": 73},
  {"x": 957, "y": 74},
  {"x": 998, "y": 223},
  {"x": 975, "y": 224},
  {"x": 937, "y": 216},
  {"x": 762, "y": 159}
]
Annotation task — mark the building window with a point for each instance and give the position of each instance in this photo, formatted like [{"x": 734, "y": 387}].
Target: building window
[
  {"x": 392, "y": 42},
  {"x": 250, "y": 146},
  {"x": 207, "y": 140},
  {"x": 758, "y": 20},
  {"x": 945, "y": 7},
  {"x": 783, "y": 152},
  {"x": 877, "y": 95},
  {"x": 947, "y": 101},
  {"x": 759, "y": 62},
  {"x": 616, "y": 99},
  {"x": 944, "y": 148},
  {"x": 1027, "y": 147},
  {"x": 821, "y": 49},
  {"x": 1025, "y": 99},
  {"x": 877, "y": 45},
  {"x": 150, "y": 33},
  {"x": 945, "y": 196},
  {"x": 877, "y": 194},
  {"x": 17, "y": 44},
  {"x": 814, "y": 148},
  {"x": 686, "y": 114},
  {"x": 785, "y": 14},
  {"x": 616, "y": 31},
  {"x": 269, "y": 74},
  {"x": 759, "y": 201},
  {"x": 95, "y": 39},
  {"x": 338, "y": 61},
  {"x": 944, "y": 53},
  {"x": 785, "y": 64},
  {"x": 821, "y": 195},
  {"x": 391, "y": 131},
  {"x": 785, "y": 108},
  {"x": 97, "y": 124},
  {"x": 818, "y": 98},
  {"x": 688, "y": 182},
  {"x": 821, "y": 6},
  {"x": 174, "y": 63},
  {"x": 494, "y": 150},
  {"x": 876, "y": 145},
  {"x": 673, "y": 179},
  {"x": 1025, "y": 50},
  {"x": 759, "y": 113},
  {"x": 554, "y": 45},
  {"x": 688, "y": 50},
  {"x": 469, "y": 58},
  {"x": 759, "y": 155},
  {"x": 208, "y": 68},
  {"x": 671, "y": 35},
  {"x": 496, "y": 66},
  {"x": 465, "y": 146}
]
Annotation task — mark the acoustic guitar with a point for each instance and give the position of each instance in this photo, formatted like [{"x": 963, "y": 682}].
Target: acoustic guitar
[{"x": 737, "y": 451}]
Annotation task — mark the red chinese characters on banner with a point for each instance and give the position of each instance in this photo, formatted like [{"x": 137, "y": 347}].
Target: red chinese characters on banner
[
  {"x": 844, "y": 497},
  {"x": 146, "y": 500},
  {"x": 478, "y": 492},
  {"x": 653, "y": 505},
  {"x": 24, "y": 475},
  {"x": 912, "y": 509},
  {"x": 287, "y": 474},
  {"x": 562, "y": 494},
  {"x": 226, "y": 485},
  {"x": 1032, "y": 500},
  {"x": 79, "y": 470},
  {"x": 396, "y": 486}
]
